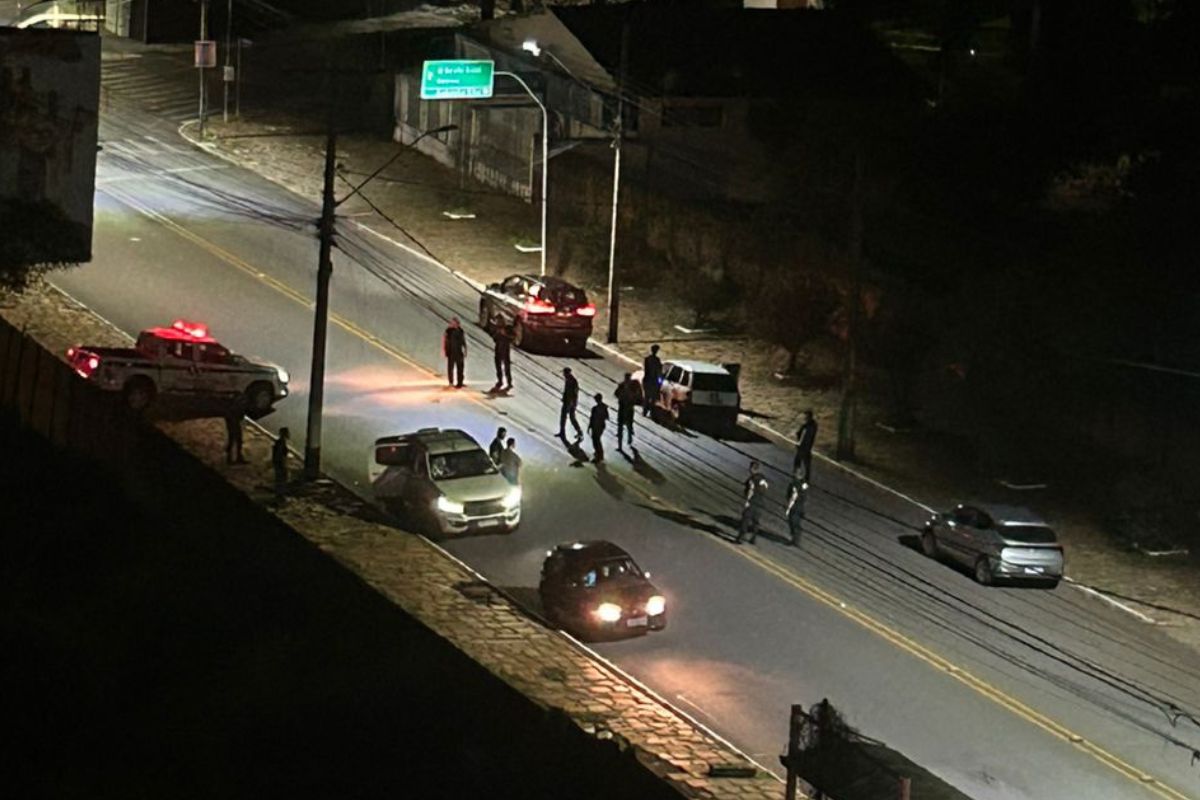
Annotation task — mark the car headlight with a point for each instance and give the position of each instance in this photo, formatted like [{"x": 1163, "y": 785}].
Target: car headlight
[
  {"x": 512, "y": 499},
  {"x": 608, "y": 612},
  {"x": 448, "y": 506},
  {"x": 283, "y": 375},
  {"x": 656, "y": 605}
]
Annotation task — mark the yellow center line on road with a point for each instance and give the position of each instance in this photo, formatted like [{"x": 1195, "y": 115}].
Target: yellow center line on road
[{"x": 796, "y": 581}]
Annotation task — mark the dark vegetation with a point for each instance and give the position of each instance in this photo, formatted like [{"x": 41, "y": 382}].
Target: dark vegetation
[{"x": 211, "y": 653}]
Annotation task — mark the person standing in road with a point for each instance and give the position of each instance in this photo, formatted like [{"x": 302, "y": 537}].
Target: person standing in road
[
  {"x": 454, "y": 348},
  {"x": 651, "y": 376},
  {"x": 502, "y": 335},
  {"x": 596, "y": 423},
  {"x": 279, "y": 456},
  {"x": 510, "y": 463},
  {"x": 796, "y": 499},
  {"x": 629, "y": 395},
  {"x": 805, "y": 438},
  {"x": 233, "y": 432},
  {"x": 496, "y": 448},
  {"x": 754, "y": 493},
  {"x": 570, "y": 399}
]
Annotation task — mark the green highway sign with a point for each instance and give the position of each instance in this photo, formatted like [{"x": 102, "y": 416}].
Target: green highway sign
[{"x": 451, "y": 80}]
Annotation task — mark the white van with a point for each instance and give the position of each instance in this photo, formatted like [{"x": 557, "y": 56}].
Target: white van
[{"x": 698, "y": 392}]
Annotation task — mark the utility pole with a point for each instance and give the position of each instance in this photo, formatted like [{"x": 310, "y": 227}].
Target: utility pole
[
  {"x": 325, "y": 232},
  {"x": 614, "y": 289},
  {"x": 203, "y": 77},
  {"x": 790, "y": 759},
  {"x": 225, "y": 76},
  {"x": 845, "y": 434}
]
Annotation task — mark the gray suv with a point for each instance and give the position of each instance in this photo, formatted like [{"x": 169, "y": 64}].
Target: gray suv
[{"x": 996, "y": 542}]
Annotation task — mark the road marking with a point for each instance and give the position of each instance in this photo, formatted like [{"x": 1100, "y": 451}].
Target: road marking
[{"x": 894, "y": 637}]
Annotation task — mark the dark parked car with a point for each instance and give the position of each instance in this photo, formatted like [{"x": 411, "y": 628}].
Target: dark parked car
[
  {"x": 594, "y": 589},
  {"x": 996, "y": 542},
  {"x": 541, "y": 310}
]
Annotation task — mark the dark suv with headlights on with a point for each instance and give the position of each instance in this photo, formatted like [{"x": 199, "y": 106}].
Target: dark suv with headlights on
[
  {"x": 595, "y": 590},
  {"x": 541, "y": 311}
]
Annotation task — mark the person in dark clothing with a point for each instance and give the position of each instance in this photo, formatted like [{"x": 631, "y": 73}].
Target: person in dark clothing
[
  {"x": 279, "y": 455},
  {"x": 570, "y": 399},
  {"x": 510, "y": 463},
  {"x": 596, "y": 423},
  {"x": 651, "y": 376},
  {"x": 454, "y": 348},
  {"x": 796, "y": 499},
  {"x": 805, "y": 438},
  {"x": 629, "y": 395},
  {"x": 233, "y": 433},
  {"x": 754, "y": 494},
  {"x": 502, "y": 335},
  {"x": 497, "y": 445}
]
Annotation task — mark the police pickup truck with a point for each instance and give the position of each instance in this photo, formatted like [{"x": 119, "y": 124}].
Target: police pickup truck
[{"x": 184, "y": 361}]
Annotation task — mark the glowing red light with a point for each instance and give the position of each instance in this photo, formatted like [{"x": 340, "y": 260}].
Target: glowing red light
[
  {"x": 195, "y": 329},
  {"x": 93, "y": 362},
  {"x": 70, "y": 352},
  {"x": 586, "y": 311},
  {"x": 536, "y": 306}
]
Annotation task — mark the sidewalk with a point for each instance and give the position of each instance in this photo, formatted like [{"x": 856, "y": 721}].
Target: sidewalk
[{"x": 415, "y": 191}]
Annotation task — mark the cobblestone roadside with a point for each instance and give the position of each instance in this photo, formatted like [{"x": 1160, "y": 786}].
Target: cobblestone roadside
[
  {"x": 416, "y": 191},
  {"x": 440, "y": 592}
]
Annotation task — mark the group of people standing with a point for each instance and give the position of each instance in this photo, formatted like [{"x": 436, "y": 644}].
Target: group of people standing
[
  {"x": 754, "y": 488},
  {"x": 629, "y": 395}
]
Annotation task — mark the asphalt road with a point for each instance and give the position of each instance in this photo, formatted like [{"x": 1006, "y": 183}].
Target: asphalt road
[{"x": 1003, "y": 692}]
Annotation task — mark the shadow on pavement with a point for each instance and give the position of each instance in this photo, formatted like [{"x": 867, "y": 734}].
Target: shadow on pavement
[
  {"x": 530, "y": 601},
  {"x": 689, "y": 521},
  {"x": 609, "y": 483},
  {"x": 641, "y": 467},
  {"x": 763, "y": 533},
  {"x": 576, "y": 452},
  {"x": 737, "y": 434}
]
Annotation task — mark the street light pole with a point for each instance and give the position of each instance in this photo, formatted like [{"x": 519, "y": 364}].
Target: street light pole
[
  {"x": 614, "y": 290},
  {"x": 545, "y": 153},
  {"x": 203, "y": 81},
  {"x": 228, "y": 54},
  {"x": 325, "y": 232},
  {"x": 316, "y": 393}
]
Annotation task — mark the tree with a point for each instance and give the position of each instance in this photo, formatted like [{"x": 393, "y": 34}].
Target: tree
[
  {"x": 898, "y": 332},
  {"x": 794, "y": 307}
]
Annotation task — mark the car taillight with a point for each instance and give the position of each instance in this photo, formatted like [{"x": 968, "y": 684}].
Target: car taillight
[
  {"x": 536, "y": 306},
  {"x": 93, "y": 362},
  {"x": 586, "y": 311},
  {"x": 70, "y": 352}
]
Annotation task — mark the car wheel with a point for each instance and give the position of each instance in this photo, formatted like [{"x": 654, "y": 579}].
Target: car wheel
[
  {"x": 929, "y": 544},
  {"x": 485, "y": 315},
  {"x": 259, "y": 397},
  {"x": 1052, "y": 584},
  {"x": 579, "y": 347},
  {"x": 983, "y": 571},
  {"x": 139, "y": 393}
]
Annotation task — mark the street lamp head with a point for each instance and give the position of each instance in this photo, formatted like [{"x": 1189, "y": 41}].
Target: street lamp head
[{"x": 531, "y": 46}]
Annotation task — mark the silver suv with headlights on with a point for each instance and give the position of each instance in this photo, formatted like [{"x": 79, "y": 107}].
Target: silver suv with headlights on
[
  {"x": 443, "y": 481},
  {"x": 996, "y": 542}
]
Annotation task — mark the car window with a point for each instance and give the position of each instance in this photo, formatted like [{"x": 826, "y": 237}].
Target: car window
[
  {"x": 511, "y": 286},
  {"x": 184, "y": 350},
  {"x": 614, "y": 569},
  {"x": 213, "y": 354},
  {"x": 460, "y": 464},
  {"x": 1029, "y": 534},
  {"x": 685, "y": 378},
  {"x": 963, "y": 515},
  {"x": 673, "y": 374},
  {"x": 589, "y": 578},
  {"x": 715, "y": 382},
  {"x": 394, "y": 455},
  {"x": 566, "y": 296}
]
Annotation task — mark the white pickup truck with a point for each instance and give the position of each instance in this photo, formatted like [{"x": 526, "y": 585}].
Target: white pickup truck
[{"x": 181, "y": 360}]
